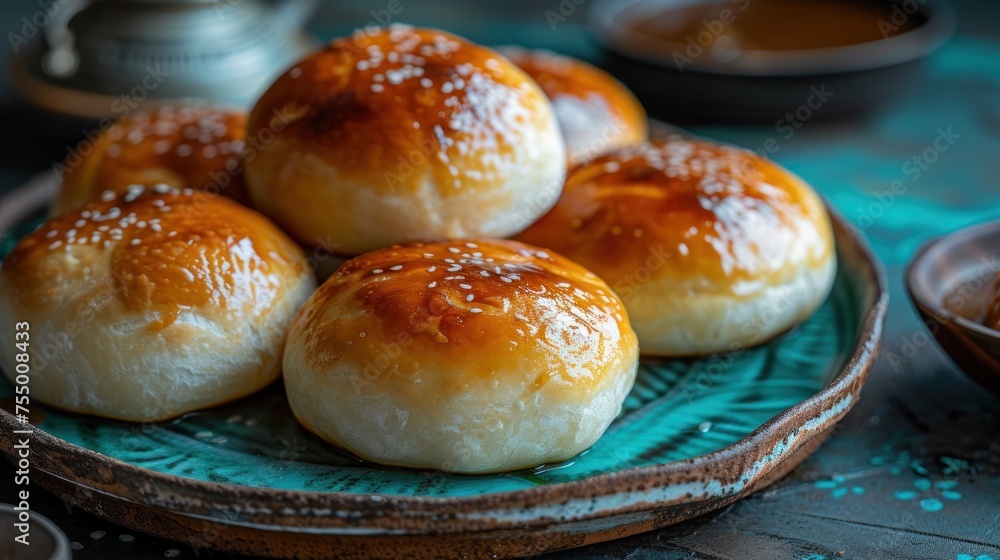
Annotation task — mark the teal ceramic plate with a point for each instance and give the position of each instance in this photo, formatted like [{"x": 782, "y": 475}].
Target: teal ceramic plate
[{"x": 694, "y": 436}]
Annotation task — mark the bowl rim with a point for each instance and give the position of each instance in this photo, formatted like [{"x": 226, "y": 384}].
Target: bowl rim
[
  {"x": 604, "y": 23},
  {"x": 919, "y": 296},
  {"x": 60, "y": 542}
]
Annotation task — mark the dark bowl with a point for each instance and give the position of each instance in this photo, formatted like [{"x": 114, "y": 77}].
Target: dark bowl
[
  {"x": 954, "y": 272},
  {"x": 762, "y": 85}
]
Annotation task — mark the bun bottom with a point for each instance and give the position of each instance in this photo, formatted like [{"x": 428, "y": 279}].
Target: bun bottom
[
  {"x": 483, "y": 430},
  {"x": 681, "y": 325},
  {"x": 108, "y": 363}
]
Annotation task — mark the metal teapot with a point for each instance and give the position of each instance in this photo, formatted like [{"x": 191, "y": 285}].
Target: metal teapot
[{"x": 104, "y": 58}]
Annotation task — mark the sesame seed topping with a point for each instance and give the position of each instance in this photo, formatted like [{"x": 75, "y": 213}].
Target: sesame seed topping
[
  {"x": 476, "y": 310},
  {"x": 397, "y": 267},
  {"x": 377, "y": 271}
]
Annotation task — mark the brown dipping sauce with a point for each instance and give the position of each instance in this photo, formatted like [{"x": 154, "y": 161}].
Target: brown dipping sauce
[{"x": 774, "y": 25}]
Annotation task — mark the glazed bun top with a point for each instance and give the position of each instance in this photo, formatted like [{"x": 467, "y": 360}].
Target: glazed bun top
[
  {"x": 723, "y": 218},
  {"x": 162, "y": 250},
  {"x": 596, "y": 113},
  {"x": 387, "y": 104},
  {"x": 472, "y": 308},
  {"x": 194, "y": 147}
]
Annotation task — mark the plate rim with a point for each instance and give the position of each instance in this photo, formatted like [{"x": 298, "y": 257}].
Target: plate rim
[{"x": 383, "y": 514}]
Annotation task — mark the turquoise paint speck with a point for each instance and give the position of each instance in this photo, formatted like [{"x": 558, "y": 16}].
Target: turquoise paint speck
[
  {"x": 964, "y": 557},
  {"x": 945, "y": 484},
  {"x": 839, "y": 493},
  {"x": 895, "y": 471},
  {"x": 922, "y": 484},
  {"x": 858, "y": 490},
  {"x": 931, "y": 505},
  {"x": 825, "y": 484},
  {"x": 952, "y": 495},
  {"x": 905, "y": 494},
  {"x": 838, "y": 479},
  {"x": 817, "y": 557}
]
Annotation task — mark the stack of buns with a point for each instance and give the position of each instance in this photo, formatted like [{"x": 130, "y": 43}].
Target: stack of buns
[{"x": 408, "y": 155}]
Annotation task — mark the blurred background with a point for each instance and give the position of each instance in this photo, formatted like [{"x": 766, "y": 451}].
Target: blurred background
[{"x": 907, "y": 149}]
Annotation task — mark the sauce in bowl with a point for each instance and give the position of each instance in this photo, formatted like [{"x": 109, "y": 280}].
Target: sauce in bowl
[{"x": 770, "y": 25}]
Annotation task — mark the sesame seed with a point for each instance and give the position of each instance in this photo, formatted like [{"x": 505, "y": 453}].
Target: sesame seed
[
  {"x": 470, "y": 297},
  {"x": 432, "y": 269},
  {"x": 484, "y": 273},
  {"x": 476, "y": 310},
  {"x": 542, "y": 254},
  {"x": 453, "y": 250},
  {"x": 377, "y": 271},
  {"x": 455, "y": 268},
  {"x": 432, "y": 284},
  {"x": 397, "y": 267},
  {"x": 562, "y": 285},
  {"x": 465, "y": 286}
]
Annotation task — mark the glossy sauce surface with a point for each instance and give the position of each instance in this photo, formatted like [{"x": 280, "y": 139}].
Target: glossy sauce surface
[
  {"x": 686, "y": 209},
  {"x": 382, "y": 104},
  {"x": 476, "y": 307},
  {"x": 771, "y": 25},
  {"x": 184, "y": 147},
  {"x": 165, "y": 251}
]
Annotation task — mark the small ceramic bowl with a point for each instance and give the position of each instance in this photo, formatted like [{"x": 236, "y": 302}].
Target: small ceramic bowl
[
  {"x": 760, "y": 84},
  {"x": 951, "y": 282},
  {"x": 46, "y": 541}
]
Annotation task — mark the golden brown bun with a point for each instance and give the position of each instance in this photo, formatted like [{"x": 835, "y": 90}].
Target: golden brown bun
[
  {"x": 596, "y": 113},
  {"x": 711, "y": 247},
  {"x": 184, "y": 147},
  {"x": 469, "y": 356},
  {"x": 401, "y": 134},
  {"x": 153, "y": 303}
]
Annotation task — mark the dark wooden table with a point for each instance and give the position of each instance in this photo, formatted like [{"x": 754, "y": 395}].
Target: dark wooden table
[{"x": 914, "y": 470}]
